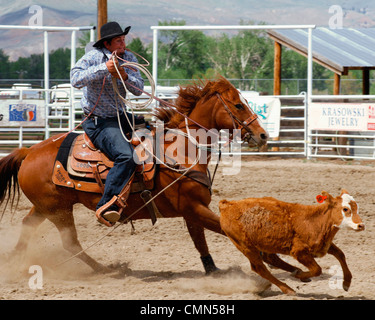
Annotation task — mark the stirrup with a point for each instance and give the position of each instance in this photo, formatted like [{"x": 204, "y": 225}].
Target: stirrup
[
  {"x": 111, "y": 216},
  {"x": 107, "y": 216}
]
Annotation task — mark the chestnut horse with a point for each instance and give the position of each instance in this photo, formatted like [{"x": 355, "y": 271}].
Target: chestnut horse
[{"x": 209, "y": 104}]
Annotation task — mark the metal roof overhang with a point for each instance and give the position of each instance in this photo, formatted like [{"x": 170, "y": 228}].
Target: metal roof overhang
[{"x": 339, "y": 50}]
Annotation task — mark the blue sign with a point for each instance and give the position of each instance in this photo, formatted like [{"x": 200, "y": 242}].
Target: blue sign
[{"x": 22, "y": 112}]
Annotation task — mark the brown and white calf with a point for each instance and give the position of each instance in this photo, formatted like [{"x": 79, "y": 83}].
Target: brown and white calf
[{"x": 262, "y": 227}]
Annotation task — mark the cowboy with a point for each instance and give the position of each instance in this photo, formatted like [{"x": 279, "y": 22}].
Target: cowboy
[{"x": 94, "y": 72}]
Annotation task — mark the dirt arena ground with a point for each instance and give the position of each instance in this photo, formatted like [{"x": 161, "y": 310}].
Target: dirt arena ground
[{"x": 161, "y": 262}]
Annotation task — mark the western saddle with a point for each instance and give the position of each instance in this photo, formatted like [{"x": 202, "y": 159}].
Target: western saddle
[{"x": 80, "y": 165}]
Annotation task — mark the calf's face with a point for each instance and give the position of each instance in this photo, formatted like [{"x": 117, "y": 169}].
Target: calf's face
[{"x": 347, "y": 212}]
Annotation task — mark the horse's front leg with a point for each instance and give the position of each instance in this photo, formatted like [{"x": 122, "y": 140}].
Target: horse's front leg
[{"x": 197, "y": 235}]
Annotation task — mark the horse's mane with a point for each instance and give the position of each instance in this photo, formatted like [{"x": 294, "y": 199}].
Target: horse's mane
[{"x": 188, "y": 97}]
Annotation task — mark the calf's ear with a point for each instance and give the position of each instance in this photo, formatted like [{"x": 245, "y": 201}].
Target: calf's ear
[
  {"x": 343, "y": 191},
  {"x": 223, "y": 204},
  {"x": 326, "y": 194}
]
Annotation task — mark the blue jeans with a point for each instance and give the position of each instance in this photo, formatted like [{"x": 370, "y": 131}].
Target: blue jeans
[{"x": 107, "y": 137}]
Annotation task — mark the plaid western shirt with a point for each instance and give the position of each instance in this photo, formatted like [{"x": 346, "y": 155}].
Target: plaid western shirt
[{"x": 89, "y": 72}]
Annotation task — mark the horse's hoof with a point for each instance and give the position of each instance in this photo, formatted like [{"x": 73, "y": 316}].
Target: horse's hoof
[
  {"x": 209, "y": 264},
  {"x": 104, "y": 269},
  {"x": 213, "y": 271}
]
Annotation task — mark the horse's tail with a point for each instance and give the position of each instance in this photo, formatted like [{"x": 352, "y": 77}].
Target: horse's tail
[{"x": 9, "y": 167}]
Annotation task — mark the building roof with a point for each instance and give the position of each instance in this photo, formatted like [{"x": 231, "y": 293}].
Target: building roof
[{"x": 337, "y": 49}]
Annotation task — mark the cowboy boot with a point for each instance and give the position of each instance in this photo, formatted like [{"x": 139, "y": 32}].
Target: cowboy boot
[{"x": 106, "y": 213}]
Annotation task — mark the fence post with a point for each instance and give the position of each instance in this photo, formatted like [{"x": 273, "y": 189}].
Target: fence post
[
  {"x": 155, "y": 59},
  {"x": 46, "y": 79},
  {"x": 308, "y": 99}
]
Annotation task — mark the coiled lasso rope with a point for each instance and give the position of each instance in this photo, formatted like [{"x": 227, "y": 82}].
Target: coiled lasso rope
[
  {"x": 143, "y": 105},
  {"x": 133, "y": 65}
]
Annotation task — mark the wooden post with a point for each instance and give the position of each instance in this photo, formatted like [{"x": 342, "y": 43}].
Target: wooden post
[
  {"x": 277, "y": 69},
  {"x": 102, "y": 14},
  {"x": 277, "y": 76},
  {"x": 365, "y": 81},
  {"x": 336, "y": 84},
  {"x": 341, "y": 140}
]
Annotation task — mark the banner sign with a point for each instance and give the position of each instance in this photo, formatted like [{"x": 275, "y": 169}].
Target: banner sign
[
  {"x": 25, "y": 113},
  {"x": 268, "y": 111},
  {"x": 342, "y": 116}
]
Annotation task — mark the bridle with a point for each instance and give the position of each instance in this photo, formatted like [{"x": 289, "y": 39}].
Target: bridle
[{"x": 240, "y": 124}]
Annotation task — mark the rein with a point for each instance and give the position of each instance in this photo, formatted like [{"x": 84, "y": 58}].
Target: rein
[{"x": 241, "y": 124}]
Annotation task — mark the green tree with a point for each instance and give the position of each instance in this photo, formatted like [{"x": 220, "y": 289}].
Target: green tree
[
  {"x": 182, "y": 53},
  {"x": 219, "y": 54},
  {"x": 294, "y": 66},
  {"x": 192, "y": 53},
  {"x": 27, "y": 68},
  {"x": 83, "y": 40},
  {"x": 141, "y": 51},
  {"x": 60, "y": 63},
  {"x": 246, "y": 55},
  {"x": 353, "y": 83},
  {"x": 4, "y": 65},
  {"x": 168, "y": 47}
]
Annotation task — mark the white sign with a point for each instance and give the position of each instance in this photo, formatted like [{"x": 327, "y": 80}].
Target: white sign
[
  {"x": 25, "y": 113},
  {"x": 342, "y": 116},
  {"x": 268, "y": 111}
]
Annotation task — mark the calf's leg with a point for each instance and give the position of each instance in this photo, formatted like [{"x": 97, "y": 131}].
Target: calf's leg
[
  {"x": 339, "y": 255},
  {"x": 258, "y": 266},
  {"x": 308, "y": 261},
  {"x": 275, "y": 261}
]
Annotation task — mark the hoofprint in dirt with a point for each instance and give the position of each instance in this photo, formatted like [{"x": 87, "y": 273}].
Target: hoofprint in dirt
[{"x": 161, "y": 262}]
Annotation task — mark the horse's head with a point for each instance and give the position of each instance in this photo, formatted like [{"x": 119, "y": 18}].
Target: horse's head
[
  {"x": 233, "y": 112},
  {"x": 214, "y": 105}
]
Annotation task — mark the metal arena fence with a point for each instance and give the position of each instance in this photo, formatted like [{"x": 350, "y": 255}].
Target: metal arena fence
[
  {"x": 265, "y": 86},
  {"x": 328, "y": 127}
]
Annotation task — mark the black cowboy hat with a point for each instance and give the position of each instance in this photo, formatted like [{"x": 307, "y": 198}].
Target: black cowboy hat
[{"x": 110, "y": 30}]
